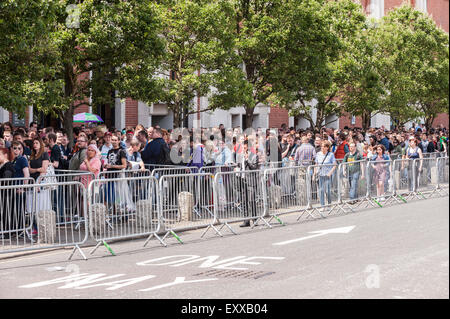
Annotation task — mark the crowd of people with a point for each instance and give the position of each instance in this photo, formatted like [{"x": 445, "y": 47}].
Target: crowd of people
[
  {"x": 33, "y": 152},
  {"x": 30, "y": 151}
]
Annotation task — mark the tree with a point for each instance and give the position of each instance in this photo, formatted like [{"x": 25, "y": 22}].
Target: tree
[
  {"x": 111, "y": 39},
  {"x": 318, "y": 49},
  {"x": 260, "y": 37},
  {"x": 416, "y": 71},
  {"x": 200, "y": 58},
  {"x": 23, "y": 50}
]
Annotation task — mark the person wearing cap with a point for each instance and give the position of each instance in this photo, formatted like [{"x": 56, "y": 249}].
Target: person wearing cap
[{"x": 128, "y": 139}]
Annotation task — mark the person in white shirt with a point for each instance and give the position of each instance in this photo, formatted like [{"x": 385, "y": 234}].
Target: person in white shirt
[{"x": 107, "y": 146}]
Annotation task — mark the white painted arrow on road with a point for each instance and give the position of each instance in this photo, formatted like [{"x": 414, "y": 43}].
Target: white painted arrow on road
[{"x": 341, "y": 230}]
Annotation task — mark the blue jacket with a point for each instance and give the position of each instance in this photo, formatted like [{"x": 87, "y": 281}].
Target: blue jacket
[
  {"x": 151, "y": 154},
  {"x": 385, "y": 142}
]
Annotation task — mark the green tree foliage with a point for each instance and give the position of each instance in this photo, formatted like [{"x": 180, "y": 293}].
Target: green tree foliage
[
  {"x": 415, "y": 71},
  {"x": 200, "y": 58},
  {"x": 319, "y": 48},
  {"x": 260, "y": 32},
  {"x": 111, "y": 39}
]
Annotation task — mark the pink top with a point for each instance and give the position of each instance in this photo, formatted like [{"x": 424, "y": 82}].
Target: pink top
[{"x": 95, "y": 165}]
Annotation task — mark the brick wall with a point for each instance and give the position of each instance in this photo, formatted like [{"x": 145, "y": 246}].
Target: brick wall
[
  {"x": 441, "y": 119},
  {"x": 346, "y": 120},
  {"x": 131, "y": 112},
  {"x": 277, "y": 117},
  {"x": 438, "y": 9},
  {"x": 390, "y": 4}
]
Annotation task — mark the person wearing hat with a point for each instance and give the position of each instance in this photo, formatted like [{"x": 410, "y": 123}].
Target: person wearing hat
[
  {"x": 412, "y": 152},
  {"x": 129, "y": 138}
]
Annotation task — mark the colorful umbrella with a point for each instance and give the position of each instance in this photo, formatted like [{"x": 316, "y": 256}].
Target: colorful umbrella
[{"x": 86, "y": 117}]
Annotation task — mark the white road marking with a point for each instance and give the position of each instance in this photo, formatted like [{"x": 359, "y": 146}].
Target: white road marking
[{"x": 341, "y": 230}]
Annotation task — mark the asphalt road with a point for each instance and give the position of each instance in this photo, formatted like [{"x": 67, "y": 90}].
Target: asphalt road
[{"x": 394, "y": 252}]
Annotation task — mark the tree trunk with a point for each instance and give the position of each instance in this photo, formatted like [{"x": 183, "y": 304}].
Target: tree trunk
[
  {"x": 67, "y": 120},
  {"x": 177, "y": 121},
  {"x": 429, "y": 122},
  {"x": 248, "y": 117},
  {"x": 365, "y": 117}
]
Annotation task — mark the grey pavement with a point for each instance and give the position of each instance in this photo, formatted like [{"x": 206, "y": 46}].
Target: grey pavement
[{"x": 394, "y": 252}]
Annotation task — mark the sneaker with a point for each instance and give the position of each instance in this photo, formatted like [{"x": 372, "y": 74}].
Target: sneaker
[{"x": 382, "y": 199}]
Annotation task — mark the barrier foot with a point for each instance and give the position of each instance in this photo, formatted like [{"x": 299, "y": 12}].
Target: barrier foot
[
  {"x": 174, "y": 235},
  {"x": 215, "y": 229},
  {"x": 104, "y": 244},
  {"x": 75, "y": 249},
  {"x": 95, "y": 248},
  {"x": 278, "y": 219},
  {"x": 377, "y": 202},
  {"x": 265, "y": 222},
  {"x": 402, "y": 198},
  {"x": 229, "y": 227},
  {"x": 109, "y": 248},
  {"x": 309, "y": 211},
  {"x": 157, "y": 237}
]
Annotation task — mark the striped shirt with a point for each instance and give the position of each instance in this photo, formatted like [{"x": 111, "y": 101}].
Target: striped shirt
[{"x": 305, "y": 154}]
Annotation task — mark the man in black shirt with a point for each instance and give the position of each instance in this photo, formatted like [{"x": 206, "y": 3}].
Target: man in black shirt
[
  {"x": 117, "y": 160},
  {"x": 117, "y": 157}
]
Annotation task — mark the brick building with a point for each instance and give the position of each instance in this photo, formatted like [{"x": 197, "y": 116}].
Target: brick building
[{"x": 125, "y": 113}]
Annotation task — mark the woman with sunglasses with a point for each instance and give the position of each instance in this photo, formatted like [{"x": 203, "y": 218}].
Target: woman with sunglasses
[
  {"x": 18, "y": 199},
  {"x": 20, "y": 162}
]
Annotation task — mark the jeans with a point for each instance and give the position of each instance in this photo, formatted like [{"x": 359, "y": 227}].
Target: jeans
[
  {"x": 353, "y": 180},
  {"x": 324, "y": 186}
]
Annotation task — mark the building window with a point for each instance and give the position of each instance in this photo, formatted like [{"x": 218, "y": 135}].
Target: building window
[
  {"x": 377, "y": 9},
  {"x": 421, "y": 5}
]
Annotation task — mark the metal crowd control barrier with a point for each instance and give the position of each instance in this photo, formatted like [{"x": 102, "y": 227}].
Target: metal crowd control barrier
[
  {"x": 238, "y": 196},
  {"x": 62, "y": 195},
  {"x": 174, "y": 170},
  {"x": 123, "y": 208},
  {"x": 353, "y": 183},
  {"x": 151, "y": 167},
  {"x": 443, "y": 176},
  {"x": 33, "y": 217},
  {"x": 323, "y": 189},
  {"x": 16, "y": 181},
  {"x": 380, "y": 181},
  {"x": 404, "y": 179},
  {"x": 186, "y": 202},
  {"x": 124, "y": 173},
  {"x": 426, "y": 177},
  {"x": 218, "y": 168},
  {"x": 284, "y": 192}
]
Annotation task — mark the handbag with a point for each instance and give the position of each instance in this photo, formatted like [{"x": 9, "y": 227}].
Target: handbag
[{"x": 50, "y": 178}]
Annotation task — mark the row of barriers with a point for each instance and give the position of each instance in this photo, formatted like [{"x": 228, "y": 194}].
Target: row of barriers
[{"x": 70, "y": 208}]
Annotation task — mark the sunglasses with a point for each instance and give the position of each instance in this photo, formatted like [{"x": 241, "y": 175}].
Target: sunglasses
[{"x": 17, "y": 148}]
